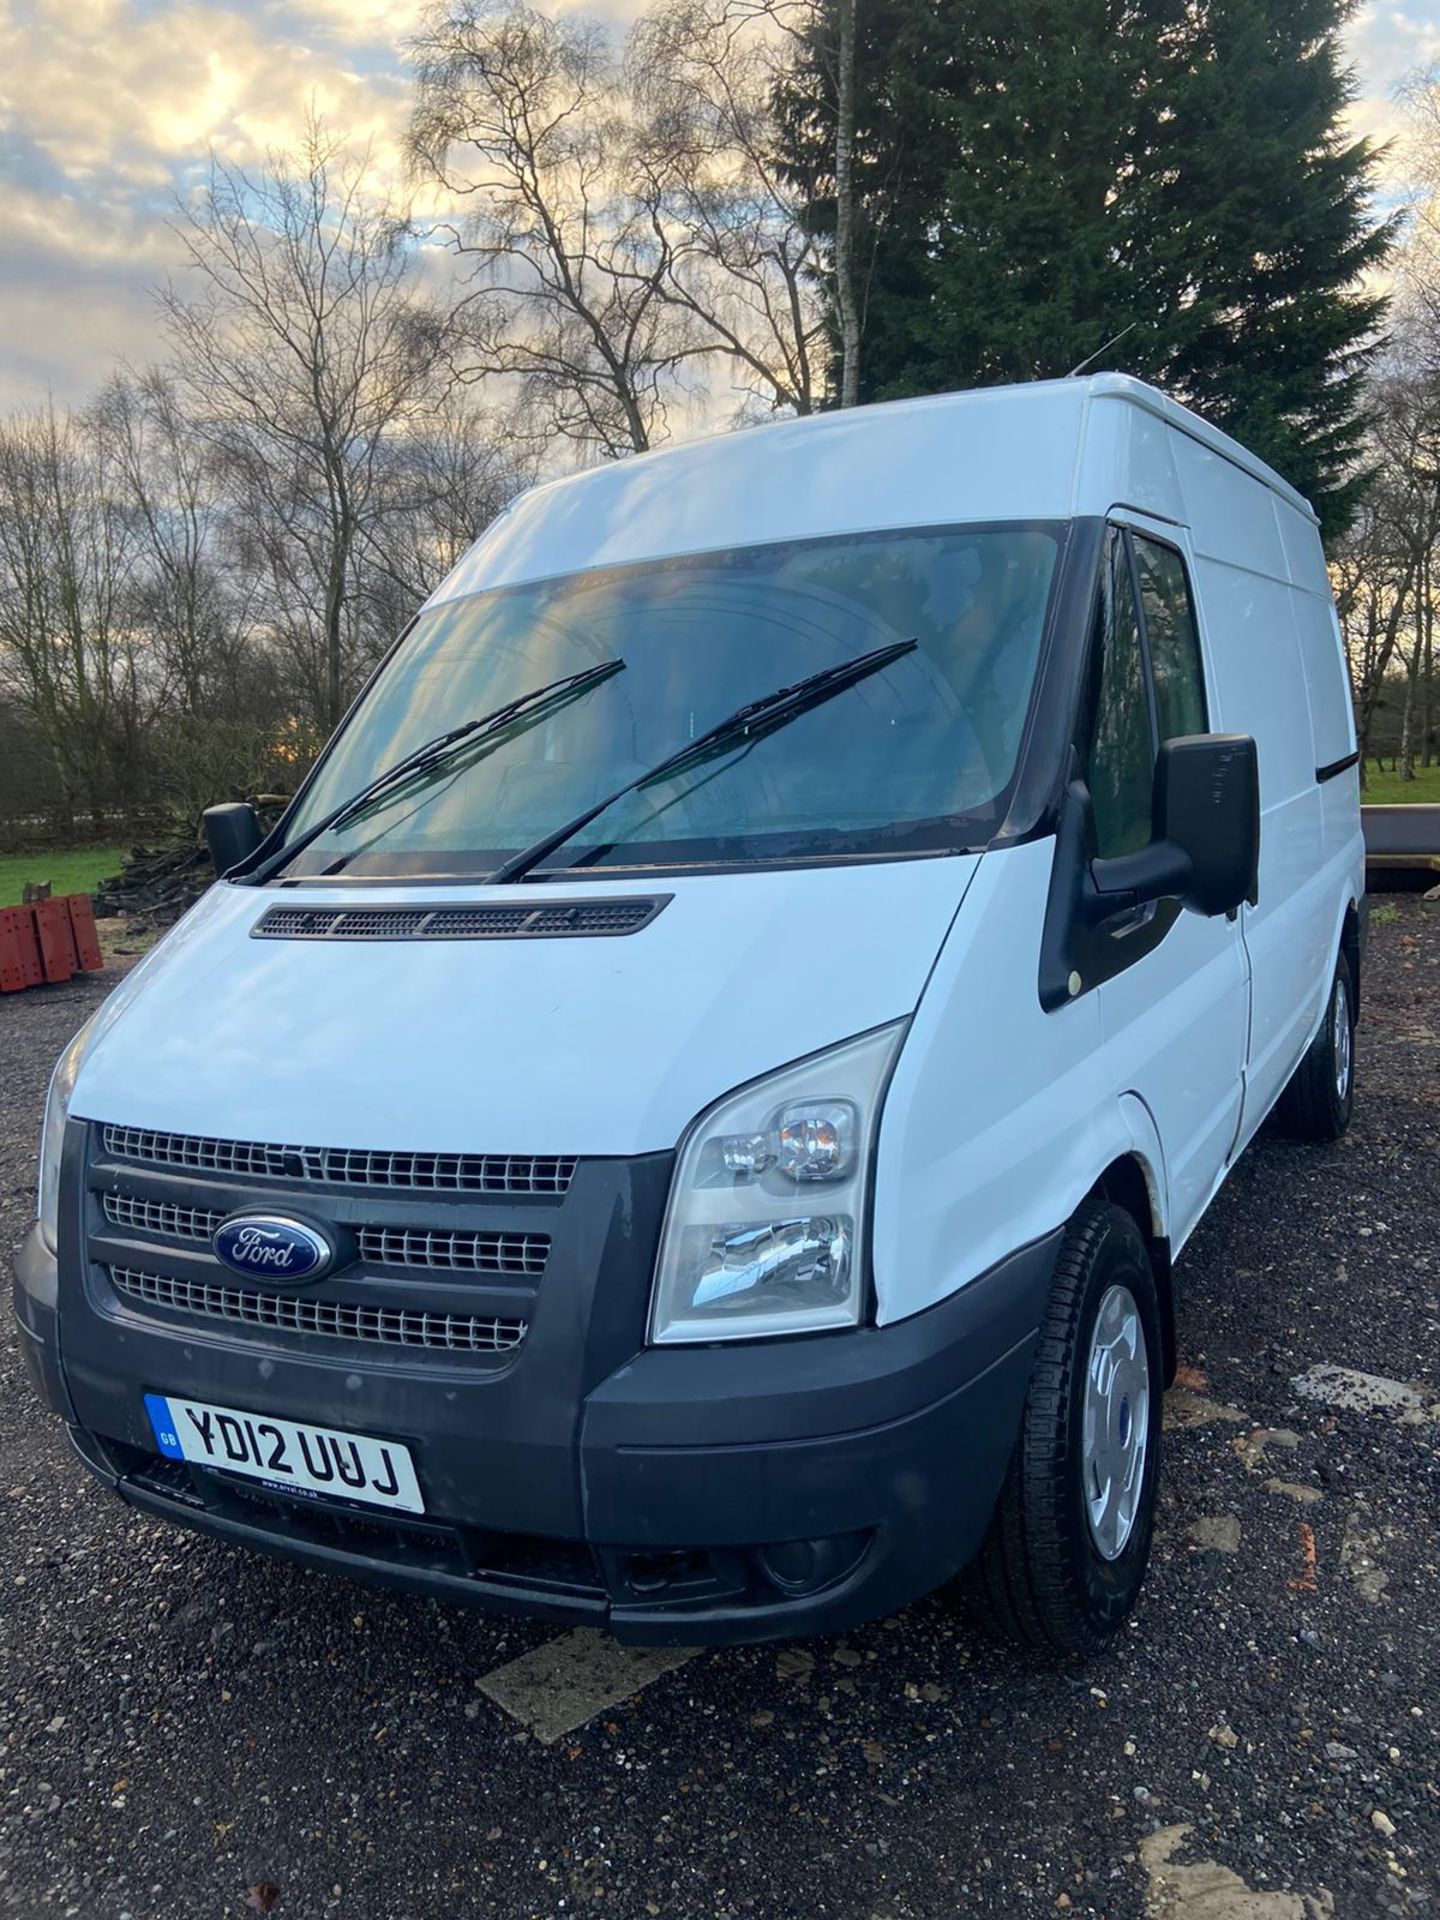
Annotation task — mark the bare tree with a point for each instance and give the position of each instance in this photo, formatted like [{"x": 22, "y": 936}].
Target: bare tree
[
  {"x": 300, "y": 358},
  {"x": 214, "y": 705},
  {"x": 196, "y": 570},
  {"x": 815, "y": 91},
  {"x": 522, "y": 119},
  {"x": 742, "y": 265},
  {"x": 447, "y": 482},
  {"x": 1384, "y": 570},
  {"x": 66, "y": 656},
  {"x": 194, "y": 609},
  {"x": 1419, "y": 255}
]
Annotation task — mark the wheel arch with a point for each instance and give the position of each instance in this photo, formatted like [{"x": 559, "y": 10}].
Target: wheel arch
[
  {"x": 1130, "y": 1182},
  {"x": 1352, "y": 946}
]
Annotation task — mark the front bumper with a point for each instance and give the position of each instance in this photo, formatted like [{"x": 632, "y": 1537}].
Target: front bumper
[{"x": 685, "y": 1495}]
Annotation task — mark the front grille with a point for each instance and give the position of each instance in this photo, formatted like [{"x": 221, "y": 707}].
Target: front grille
[
  {"x": 161, "y": 1217},
  {"x": 338, "y": 1320},
  {"x": 453, "y": 1252},
  {"x": 552, "y": 920},
  {"x": 422, "y": 1247},
  {"x": 549, "y": 1174}
]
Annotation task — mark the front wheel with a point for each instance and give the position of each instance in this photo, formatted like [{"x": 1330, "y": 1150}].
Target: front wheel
[
  {"x": 1317, "y": 1103},
  {"x": 1068, "y": 1546}
]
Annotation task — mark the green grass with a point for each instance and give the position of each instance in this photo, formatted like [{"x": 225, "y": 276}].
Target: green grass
[
  {"x": 1388, "y": 789},
  {"x": 68, "y": 869}
]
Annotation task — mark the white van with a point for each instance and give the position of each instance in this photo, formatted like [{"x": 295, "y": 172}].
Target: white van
[{"x": 688, "y": 1122}]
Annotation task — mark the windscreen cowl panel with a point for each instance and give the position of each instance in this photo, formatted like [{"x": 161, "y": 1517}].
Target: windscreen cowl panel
[{"x": 532, "y": 920}]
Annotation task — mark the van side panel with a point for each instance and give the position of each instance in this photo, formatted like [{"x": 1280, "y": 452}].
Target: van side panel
[
  {"x": 1322, "y": 652},
  {"x": 1304, "y": 555},
  {"x": 1332, "y": 719},
  {"x": 1000, "y": 1116},
  {"x": 1242, "y": 579}
]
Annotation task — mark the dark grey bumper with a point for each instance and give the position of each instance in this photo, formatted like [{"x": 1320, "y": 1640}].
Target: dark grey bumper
[
  {"x": 722, "y": 1493},
  {"x": 37, "y": 1320}
]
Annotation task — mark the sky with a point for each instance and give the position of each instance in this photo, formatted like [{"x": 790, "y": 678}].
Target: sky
[{"x": 108, "y": 108}]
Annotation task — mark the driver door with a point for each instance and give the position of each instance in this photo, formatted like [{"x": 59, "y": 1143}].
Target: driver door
[{"x": 1174, "y": 1007}]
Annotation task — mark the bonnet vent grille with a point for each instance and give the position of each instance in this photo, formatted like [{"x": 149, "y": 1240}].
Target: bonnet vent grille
[{"x": 554, "y": 919}]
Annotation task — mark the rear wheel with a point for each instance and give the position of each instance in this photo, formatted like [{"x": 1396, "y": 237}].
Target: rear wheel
[
  {"x": 1068, "y": 1547},
  {"x": 1317, "y": 1103}
]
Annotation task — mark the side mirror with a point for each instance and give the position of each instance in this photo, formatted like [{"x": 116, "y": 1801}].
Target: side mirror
[
  {"x": 1206, "y": 846},
  {"x": 232, "y": 833},
  {"x": 1207, "y": 800}
]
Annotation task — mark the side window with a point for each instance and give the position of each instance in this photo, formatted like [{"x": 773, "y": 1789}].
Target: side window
[
  {"x": 1174, "y": 643},
  {"x": 1120, "y": 763}
]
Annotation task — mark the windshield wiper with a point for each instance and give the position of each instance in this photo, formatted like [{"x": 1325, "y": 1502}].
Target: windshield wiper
[
  {"x": 433, "y": 753},
  {"x": 755, "y": 719}
]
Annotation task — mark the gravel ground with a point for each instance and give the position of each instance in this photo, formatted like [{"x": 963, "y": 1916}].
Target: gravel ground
[{"x": 187, "y": 1731}]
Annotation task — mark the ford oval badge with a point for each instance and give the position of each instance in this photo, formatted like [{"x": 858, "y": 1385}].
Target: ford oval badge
[{"x": 271, "y": 1246}]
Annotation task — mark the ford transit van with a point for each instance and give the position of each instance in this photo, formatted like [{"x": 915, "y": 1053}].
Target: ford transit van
[{"x": 691, "y": 1121}]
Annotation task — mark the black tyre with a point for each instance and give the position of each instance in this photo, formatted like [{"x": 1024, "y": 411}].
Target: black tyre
[
  {"x": 1068, "y": 1546},
  {"x": 1321, "y": 1095}
]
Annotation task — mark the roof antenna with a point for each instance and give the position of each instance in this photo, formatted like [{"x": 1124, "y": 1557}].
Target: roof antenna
[{"x": 1114, "y": 340}]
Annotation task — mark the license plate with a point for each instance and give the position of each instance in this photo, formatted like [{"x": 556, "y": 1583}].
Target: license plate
[{"x": 285, "y": 1453}]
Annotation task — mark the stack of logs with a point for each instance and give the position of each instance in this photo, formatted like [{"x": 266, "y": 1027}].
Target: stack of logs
[
  {"x": 155, "y": 885},
  {"x": 47, "y": 941}
]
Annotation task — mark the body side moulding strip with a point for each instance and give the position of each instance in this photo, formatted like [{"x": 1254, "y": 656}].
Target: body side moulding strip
[{"x": 1337, "y": 767}]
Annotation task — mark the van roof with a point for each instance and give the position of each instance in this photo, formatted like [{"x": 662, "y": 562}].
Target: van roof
[
  {"x": 1124, "y": 386},
  {"x": 1117, "y": 386},
  {"x": 1045, "y": 449}
]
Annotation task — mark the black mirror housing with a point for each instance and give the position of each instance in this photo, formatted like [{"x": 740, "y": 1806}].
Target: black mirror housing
[
  {"x": 1207, "y": 804},
  {"x": 232, "y": 833},
  {"x": 1205, "y": 844},
  {"x": 1203, "y": 854}
]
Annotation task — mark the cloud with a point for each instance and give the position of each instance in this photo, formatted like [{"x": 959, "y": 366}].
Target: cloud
[
  {"x": 67, "y": 318},
  {"x": 77, "y": 262},
  {"x": 129, "y": 91},
  {"x": 109, "y": 107},
  {"x": 1388, "y": 44}
]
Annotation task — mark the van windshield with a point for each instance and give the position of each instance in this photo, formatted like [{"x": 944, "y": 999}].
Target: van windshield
[{"x": 916, "y": 757}]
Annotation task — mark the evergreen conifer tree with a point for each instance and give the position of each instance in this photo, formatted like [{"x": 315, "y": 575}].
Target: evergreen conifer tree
[{"x": 1040, "y": 176}]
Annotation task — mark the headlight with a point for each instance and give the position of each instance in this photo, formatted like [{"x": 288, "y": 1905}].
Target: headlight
[
  {"x": 52, "y": 1136},
  {"x": 765, "y": 1230}
]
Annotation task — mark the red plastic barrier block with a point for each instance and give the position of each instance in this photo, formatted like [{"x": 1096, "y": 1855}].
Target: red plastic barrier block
[
  {"x": 57, "y": 942},
  {"x": 19, "y": 950},
  {"x": 82, "y": 927},
  {"x": 31, "y": 965},
  {"x": 65, "y": 927},
  {"x": 11, "y": 980}
]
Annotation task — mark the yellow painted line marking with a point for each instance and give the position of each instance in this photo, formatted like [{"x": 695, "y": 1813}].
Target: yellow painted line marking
[{"x": 558, "y": 1687}]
